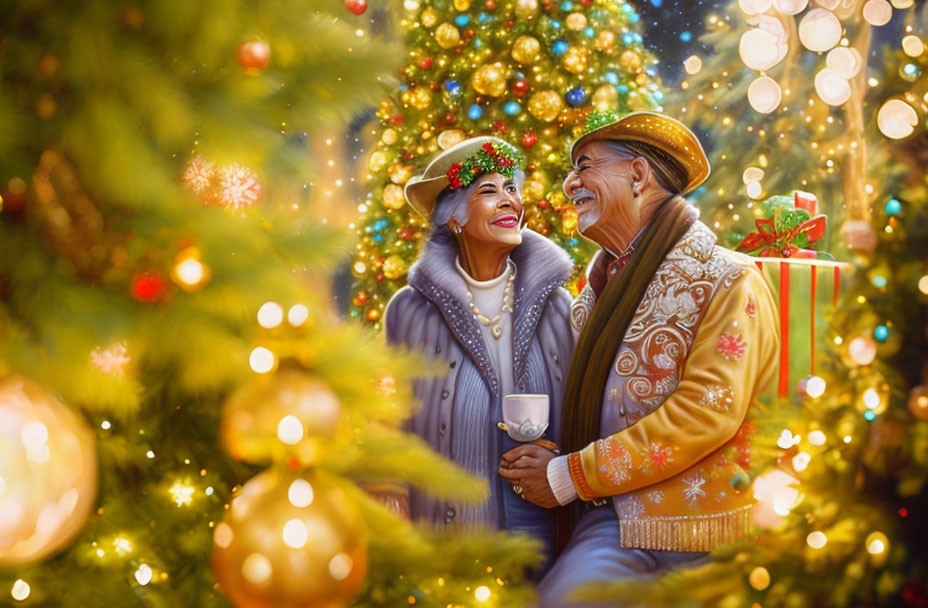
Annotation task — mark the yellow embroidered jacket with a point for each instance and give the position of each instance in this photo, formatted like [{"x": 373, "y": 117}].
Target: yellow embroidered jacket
[{"x": 702, "y": 346}]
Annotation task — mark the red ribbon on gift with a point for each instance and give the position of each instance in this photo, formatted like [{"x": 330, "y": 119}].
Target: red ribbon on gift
[{"x": 780, "y": 244}]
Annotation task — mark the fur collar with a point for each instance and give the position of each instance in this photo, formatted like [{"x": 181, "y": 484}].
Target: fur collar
[{"x": 541, "y": 267}]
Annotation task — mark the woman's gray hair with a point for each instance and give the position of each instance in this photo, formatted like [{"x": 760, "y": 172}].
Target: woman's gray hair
[{"x": 453, "y": 203}]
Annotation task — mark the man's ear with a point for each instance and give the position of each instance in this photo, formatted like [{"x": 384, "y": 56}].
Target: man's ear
[{"x": 641, "y": 170}]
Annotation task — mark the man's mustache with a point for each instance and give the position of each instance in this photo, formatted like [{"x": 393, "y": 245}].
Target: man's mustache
[{"x": 581, "y": 193}]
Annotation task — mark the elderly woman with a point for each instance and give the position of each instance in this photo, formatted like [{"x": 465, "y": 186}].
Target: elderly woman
[{"x": 486, "y": 298}]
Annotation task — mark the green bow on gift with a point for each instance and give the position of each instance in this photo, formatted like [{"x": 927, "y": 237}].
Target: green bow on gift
[{"x": 787, "y": 229}]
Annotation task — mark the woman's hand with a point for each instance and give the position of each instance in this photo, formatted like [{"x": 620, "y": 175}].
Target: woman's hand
[{"x": 527, "y": 467}]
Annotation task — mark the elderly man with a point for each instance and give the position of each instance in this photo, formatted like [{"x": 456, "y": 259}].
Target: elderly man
[{"x": 677, "y": 338}]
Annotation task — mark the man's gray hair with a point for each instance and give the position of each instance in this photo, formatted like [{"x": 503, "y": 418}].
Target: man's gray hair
[
  {"x": 453, "y": 203},
  {"x": 669, "y": 172}
]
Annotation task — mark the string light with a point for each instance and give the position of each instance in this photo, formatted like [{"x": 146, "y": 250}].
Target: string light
[
  {"x": 181, "y": 493},
  {"x": 261, "y": 360},
  {"x": 482, "y": 593},
  {"x": 817, "y": 539},
  {"x": 143, "y": 574},
  {"x": 270, "y": 315}
]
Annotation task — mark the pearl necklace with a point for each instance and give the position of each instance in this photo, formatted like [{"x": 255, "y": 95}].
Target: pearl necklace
[{"x": 496, "y": 330}]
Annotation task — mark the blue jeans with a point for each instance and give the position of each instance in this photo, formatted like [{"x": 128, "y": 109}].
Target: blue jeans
[{"x": 594, "y": 554}]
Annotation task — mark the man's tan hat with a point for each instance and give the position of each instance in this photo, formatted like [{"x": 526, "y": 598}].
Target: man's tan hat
[
  {"x": 667, "y": 134},
  {"x": 458, "y": 166}
]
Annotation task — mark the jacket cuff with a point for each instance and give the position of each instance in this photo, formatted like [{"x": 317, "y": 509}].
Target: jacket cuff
[{"x": 560, "y": 481}]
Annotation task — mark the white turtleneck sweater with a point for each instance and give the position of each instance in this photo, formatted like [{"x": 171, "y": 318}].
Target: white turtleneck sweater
[{"x": 488, "y": 298}]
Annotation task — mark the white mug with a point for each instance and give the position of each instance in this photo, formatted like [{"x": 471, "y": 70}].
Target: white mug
[{"x": 525, "y": 417}]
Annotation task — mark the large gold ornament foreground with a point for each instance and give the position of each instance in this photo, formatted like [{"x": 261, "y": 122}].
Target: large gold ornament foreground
[
  {"x": 290, "y": 541},
  {"x": 48, "y": 473},
  {"x": 276, "y": 417}
]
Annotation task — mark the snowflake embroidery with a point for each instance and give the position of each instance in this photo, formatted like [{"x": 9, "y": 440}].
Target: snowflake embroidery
[
  {"x": 717, "y": 397},
  {"x": 655, "y": 496},
  {"x": 694, "y": 491},
  {"x": 656, "y": 458},
  {"x": 750, "y": 307},
  {"x": 616, "y": 460},
  {"x": 731, "y": 346},
  {"x": 630, "y": 507}
]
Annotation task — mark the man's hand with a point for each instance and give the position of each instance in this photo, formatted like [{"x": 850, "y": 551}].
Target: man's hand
[{"x": 527, "y": 466}]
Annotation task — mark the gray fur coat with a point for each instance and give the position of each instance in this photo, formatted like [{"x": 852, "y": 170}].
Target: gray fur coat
[{"x": 460, "y": 410}]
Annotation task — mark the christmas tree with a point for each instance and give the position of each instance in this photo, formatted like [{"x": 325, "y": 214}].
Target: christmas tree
[
  {"x": 183, "y": 419},
  {"x": 529, "y": 71},
  {"x": 841, "y": 497}
]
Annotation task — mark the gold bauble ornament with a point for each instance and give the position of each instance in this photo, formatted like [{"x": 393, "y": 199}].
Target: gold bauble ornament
[
  {"x": 569, "y": 219},
  {"x": 389, "y": 137},
  {"x": 533, "y": 190},
  {"x": 759, "y": 578},
  {"x": 630, "y": 60},
  {"x": 377, "y": 161},
  {"x": 394, "y": 267},
  {"x": 429, "y": 17},
  {"x": 545, "y": 105},
  {"x": 606, "y": 98},
  {"x": 279, "y": 416},
  {"x": 526, "y": 50},
  {"x": 605, "y": 42},
  {"x": 490, "y": 80},
  {"x": 576, "y": 21},
  {"x": 290, "y": 541},
  {"x": 461, "y": 5},
  {"x": 393, "y": 197},
  {"x": 447, "y": 36},
  {"x": 576, "y": 59},
  {"x": 400, "y": 174},
  {"x": 526, "y": 8},
  {"x": 420, "y": 98},
  {"x": 450, "y": 137},
  {"x": 48, "y": 473}
]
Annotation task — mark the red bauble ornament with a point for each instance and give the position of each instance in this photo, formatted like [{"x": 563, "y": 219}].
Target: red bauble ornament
[
  {"x": 529, "y": 139},
  {"x": 254, "y": 55},
  {"x": 356, "y": 6},
  {"x": 543, "y": 204},
  {"x": 491, "y": 5},
  {"x": 426, "y": 63},
  {"x": 520, "y": 87},
  {"x": 148, "y": 286}
]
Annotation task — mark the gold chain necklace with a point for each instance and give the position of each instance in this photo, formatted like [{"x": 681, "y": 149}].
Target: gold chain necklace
[{"x": 496, "y": 330}]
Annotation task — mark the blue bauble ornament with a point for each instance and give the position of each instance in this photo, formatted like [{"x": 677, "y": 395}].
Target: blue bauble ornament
[
  {"x": 512, "y": 108},
  {"x": 576, "y": 96},
  {"x": 893, "y": 207},
  {"x": 560, "y": 47},
  {"x": 474, "y": 112}
]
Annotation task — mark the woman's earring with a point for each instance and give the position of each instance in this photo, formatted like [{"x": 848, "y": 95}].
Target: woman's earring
[
  {"x": 457, "y": 229},
  {"x": 635, "y": 190}
]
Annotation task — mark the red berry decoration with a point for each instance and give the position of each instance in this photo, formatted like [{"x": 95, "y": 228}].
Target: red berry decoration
[
  {"x": 254, "y": 55},
  {"x": 148, "y": 287},
  {"x": 356, "y": 6},
  {"x": 520, "y": 87},
  {"x": 529, "y": 139}
]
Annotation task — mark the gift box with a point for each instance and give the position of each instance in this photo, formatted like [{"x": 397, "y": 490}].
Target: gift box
[
  {"x": 806, "y": 283},
  {"x": 806, "y": 291}
]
